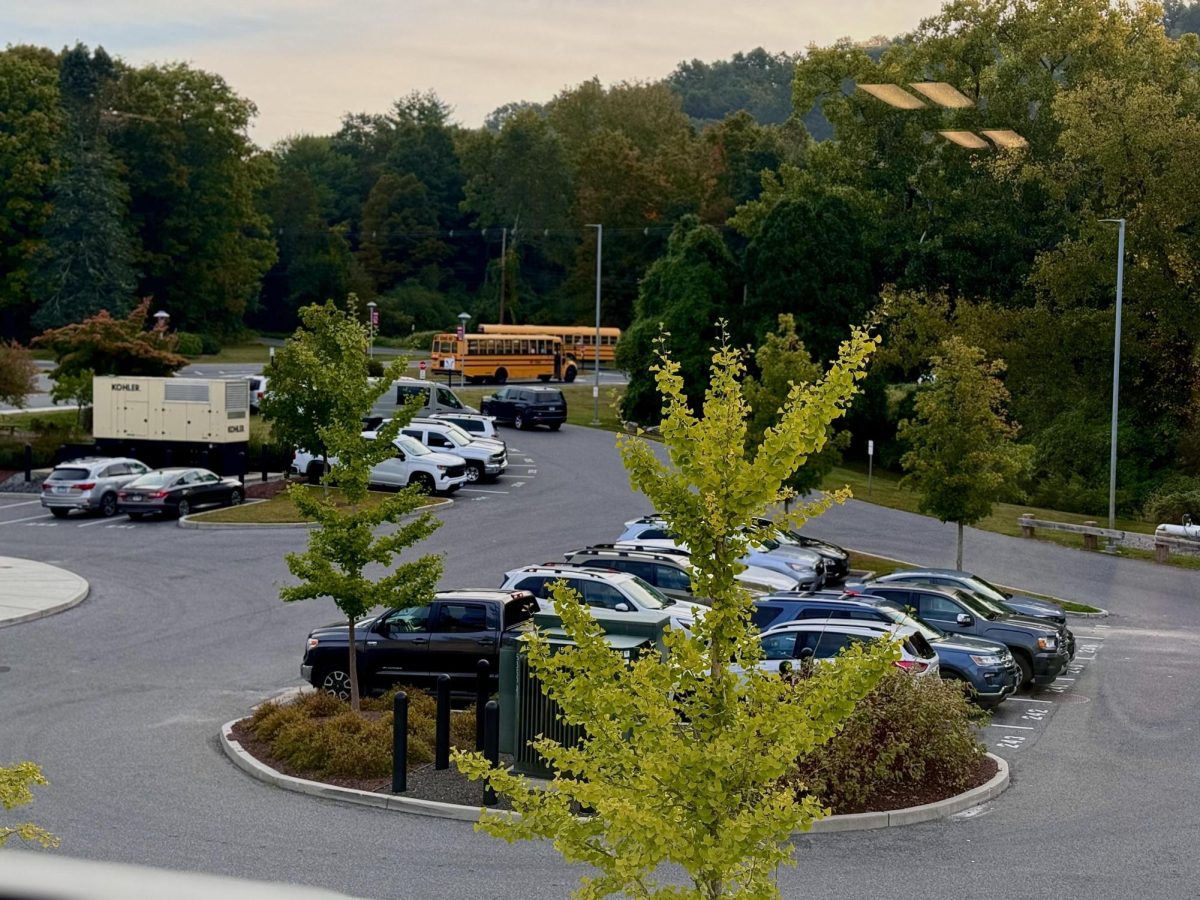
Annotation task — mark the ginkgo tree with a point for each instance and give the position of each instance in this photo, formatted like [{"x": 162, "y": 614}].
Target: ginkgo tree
[
  {"x": 687, "y": 760},
  {"x": 15, "y": 784}
]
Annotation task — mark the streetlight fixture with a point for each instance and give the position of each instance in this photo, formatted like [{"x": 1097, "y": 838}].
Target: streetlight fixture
[
  {"x": 596, "y": 362},
  {"x": 161, "y": 318},
  {"x": 373, "y": 319},
  {"x": 1112, "y": 450}
]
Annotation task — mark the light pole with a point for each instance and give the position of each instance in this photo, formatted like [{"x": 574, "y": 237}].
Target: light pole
[
  {"x": 161, "y": 319},
  {"x": 373, "y": 318},
  {"x": 1112, "y": 450},
  {"x": 463, "y": 319},
  {"x": 596, "y": 362}
]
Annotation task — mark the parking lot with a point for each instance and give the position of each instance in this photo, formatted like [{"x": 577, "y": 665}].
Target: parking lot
[{"x": 120, "y": 699}]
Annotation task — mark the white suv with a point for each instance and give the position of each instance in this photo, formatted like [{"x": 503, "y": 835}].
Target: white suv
[
  {"x": 89, "y": 484},
  {"x": 618, "y": 591},
  {"x": 413, "y": 463},
  {"x": 475, "y": 424}
]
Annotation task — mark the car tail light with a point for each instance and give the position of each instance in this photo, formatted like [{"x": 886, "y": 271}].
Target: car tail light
[
  {"x": 46, "y": 486},
  {"x": 260, "y": 395},
  {"x": 83, "y": 486},
  {"x": 911, "y": 665},
  {"x": 157, "y": 495},
  {"x": 312, "y": 642}
]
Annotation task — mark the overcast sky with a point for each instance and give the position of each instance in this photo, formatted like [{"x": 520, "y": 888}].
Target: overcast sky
[{"x": 306, "y": 62}]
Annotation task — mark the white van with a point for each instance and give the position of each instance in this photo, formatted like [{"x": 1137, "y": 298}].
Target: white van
[{"x": 438, "y": 398}]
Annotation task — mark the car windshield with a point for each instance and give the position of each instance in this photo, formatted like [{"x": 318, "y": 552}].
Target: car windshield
[
  {"x": 458, "y": 437},
  {"x": 411, "y": 446},
  {"x": 645, "y": 595},
  {"x": 978, "y": 605},
  {"x": 902, "y": 618},
  {"x": 67, "y": 475},
  {"x": 988, "y": 590}
]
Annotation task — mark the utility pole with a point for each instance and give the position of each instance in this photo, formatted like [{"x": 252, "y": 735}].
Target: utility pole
[
  {"x": 503, "y": 266},
  {"x": 1112, "y": 450},
  {"x": 596, "y": 385}
]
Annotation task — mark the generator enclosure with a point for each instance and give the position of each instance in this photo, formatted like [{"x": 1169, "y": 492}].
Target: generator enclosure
[{"x": 173, "y": 421}]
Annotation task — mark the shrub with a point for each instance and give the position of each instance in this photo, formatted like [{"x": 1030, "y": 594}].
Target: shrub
[
  {"x": 319, "y": 734},
  {"x": 1176, "y": 497},
  {"x": 210, "y": 344},
  {"x": 374, "y": 368},
  {"x": 189, "y": 344},
  {"x": 907, "y": 733}
]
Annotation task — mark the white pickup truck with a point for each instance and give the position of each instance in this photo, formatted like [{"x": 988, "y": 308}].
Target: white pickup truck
[{"x": 413, "y": 463}]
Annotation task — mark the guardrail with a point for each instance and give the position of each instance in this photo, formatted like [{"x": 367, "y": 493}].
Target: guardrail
[{"x": 1162, "y": 545}]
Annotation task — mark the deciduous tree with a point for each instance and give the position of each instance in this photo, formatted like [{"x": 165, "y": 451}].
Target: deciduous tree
[
  {"x": 18, "y": 373},
  {"x": 15, "y": 784},
  {"x": 963, "y": 456},
  {"x": 685, "y": 761}
]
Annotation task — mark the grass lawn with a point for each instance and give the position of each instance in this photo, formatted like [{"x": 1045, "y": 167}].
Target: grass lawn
[
  {"x": 579, "y": 402},
  {"x": 279, "y": 510},
  {"x": 22, "y": 421},
  {"x": 248, "y": 352}
]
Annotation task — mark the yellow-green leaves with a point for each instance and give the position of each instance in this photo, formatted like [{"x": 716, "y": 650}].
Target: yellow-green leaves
[
  {"x": 15, "y": 784},
  {"x": 687, "y": 758}
]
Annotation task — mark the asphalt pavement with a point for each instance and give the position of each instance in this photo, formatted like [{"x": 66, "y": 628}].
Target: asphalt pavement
[{"x": 120, "y": 699}]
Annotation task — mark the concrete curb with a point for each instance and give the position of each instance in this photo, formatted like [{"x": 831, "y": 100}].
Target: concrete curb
[
  {"x": 854, "y": 822},
  {"x": 265, "y": 773},
  {"x": 190, "y": 522},
  {"x": 80, "y": 594}
]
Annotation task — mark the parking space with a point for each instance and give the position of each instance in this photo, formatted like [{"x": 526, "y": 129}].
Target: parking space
[
  {"x": 522, "y": 471},
  {"x": 1022, "y": 719},
  {"x": 26, "y": 511}
]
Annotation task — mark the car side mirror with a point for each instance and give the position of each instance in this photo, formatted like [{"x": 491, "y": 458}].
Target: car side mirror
[
  {"x": 622, "y": 607},
  {"x": 964, "y": 620}
]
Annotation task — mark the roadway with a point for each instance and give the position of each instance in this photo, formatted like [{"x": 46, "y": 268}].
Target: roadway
[{"x": 120, "y": 700}]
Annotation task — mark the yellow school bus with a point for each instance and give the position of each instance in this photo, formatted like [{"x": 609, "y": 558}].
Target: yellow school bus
[
  {"x": 579, "y": 340},
  {"x": 497, "y": 357}
]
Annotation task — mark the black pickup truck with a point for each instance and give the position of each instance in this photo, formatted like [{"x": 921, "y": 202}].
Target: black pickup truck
[{"x": 416, "y": 644}]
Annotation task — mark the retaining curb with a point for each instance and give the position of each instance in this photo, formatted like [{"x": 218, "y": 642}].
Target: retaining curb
[
  {"x": 78, "y": 597},
  {"x": 189, "y": 521},
  {"x": 433, "y": 808}
]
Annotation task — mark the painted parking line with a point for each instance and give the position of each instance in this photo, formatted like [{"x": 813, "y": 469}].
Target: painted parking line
[
  {"x": 518, "y": 484},
  {"x": 478, "y": 491},
  {"x": 22, "y": 503},
  {"x": 26, "y": 519},
  {"x": 527, "y": 459},
  {"x": 1027, "y": 700},
  {"x": 90, "y": 524},
  {"x": 1016, "y": 727}
]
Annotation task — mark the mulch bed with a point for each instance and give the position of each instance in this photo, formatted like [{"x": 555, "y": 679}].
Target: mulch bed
[
  {"x": 265, "y": 490},
  {"x": 424, "y": 782},
  {"x": 451, "y": 786}
]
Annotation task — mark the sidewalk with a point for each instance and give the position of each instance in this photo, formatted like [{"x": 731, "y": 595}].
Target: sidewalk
[{"x": 31, "y": 590}]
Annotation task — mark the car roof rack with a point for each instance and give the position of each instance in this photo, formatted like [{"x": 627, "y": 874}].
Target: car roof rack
[{"x": 626, "y": 548}]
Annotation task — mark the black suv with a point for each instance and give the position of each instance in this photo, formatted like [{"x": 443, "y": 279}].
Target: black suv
[{"x": 525, "y": 407}]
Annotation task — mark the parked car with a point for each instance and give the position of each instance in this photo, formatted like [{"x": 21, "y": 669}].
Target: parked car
[
  {"x": 668, "y": 570},
  {"x": 525, "y": 407},
  {"x": 484, "y": 458},
  {"x": 435, "y": 398},
  {"x": 1018, "y": 603},
  {"x": 177, "y": 492},
  {"x": 258, "y": 390},
  {"x": 1038, "y": 646},
  {"x": 825, "y": 639},
  {"x": 837, "y": 560},
  {"x": 89, "y": 484},
  {"x": 413, "y": 463},
  {"x": 618, "y": 591},
  {"x": 415, "y": 644},
  {"x": 475, "y": 424},
  {"x": 805, "y": 567},
  {"x": 986, "y": 667}
]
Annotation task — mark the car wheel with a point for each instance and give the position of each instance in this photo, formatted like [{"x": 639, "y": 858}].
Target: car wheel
[
  {"x": 501, "y": 375},
  {"x": 108, "y": 506},
  {"x": 569, "y": 375},
  {"x": 135, "y": 516},
  {"x": 474, "y": 472},
  {"x": 183, "y": 509},
  {"x": 519, "y": 422},
  {"x": 424, "y": 481},
  {"x": 554, "y": 426},
  {"x": 235, "y": 497},
  {"x": 59, "y": 513},
  {"x": 544, "y": 379},
  {"x": 1026, "y": 668},
  {"x": 336, "y": 682}
]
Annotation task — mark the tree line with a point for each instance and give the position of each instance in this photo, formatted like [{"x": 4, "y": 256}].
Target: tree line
[{"x": 739, "y": 190}]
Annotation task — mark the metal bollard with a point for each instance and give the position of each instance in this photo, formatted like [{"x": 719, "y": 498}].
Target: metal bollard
[
  {"x": 400, "y": 743},
  {"x": 28, "y": 463},
  {"x": 482, "y": 691},
  {"x": 491, "y": 745},
  {"x": 263, "y": 461},
  {"x": 441, "y": 738},
  {"x": 241, "y": 466}
]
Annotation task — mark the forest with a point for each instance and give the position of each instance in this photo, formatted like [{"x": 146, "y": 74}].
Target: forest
[{"x": 735, "y": 190}]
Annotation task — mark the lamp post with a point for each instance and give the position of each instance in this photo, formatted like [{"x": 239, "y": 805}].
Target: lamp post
[
  {"x": 463, "y": 319},
  {"x": 1112, "y": 450},
  {"x": 373, "y": 318},
  {"x": 596, "y": 362},
  {"x": 161, "y": 319}
]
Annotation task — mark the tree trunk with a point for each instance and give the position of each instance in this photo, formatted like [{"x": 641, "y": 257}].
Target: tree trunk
[
  {"x": 353, "y": 668},
  {"x": 958, "y": 559}
]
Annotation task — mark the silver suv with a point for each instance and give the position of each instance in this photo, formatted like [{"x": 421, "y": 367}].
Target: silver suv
[{"x": 89, "y": 484}]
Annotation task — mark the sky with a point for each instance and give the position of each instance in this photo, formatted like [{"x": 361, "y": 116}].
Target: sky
[{"x": 305, "y": 63}]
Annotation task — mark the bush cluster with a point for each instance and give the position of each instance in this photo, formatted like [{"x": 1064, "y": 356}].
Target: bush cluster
[
  {"x": 1175, "y": 498},
  {"x": 189, "y": 344},
  {"x": 907, "y": 734},
  {"x": 318, "y": 734}
]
